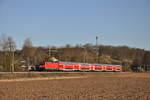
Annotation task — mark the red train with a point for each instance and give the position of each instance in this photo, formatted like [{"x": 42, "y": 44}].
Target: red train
[{"x": 70, "y": 66}]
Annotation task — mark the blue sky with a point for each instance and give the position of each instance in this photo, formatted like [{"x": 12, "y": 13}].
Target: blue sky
[{"x": 61, "y": 22}]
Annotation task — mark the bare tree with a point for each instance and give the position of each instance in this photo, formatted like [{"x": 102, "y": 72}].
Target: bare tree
[
  {"x": 28, "y": 52},
  {"x": 7, "y": 47}
]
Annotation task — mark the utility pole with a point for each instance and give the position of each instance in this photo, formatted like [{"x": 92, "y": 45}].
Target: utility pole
[
  {"x": 13, "y": 59},
  {"x": 12, "y": 50},
  {"x": 85, "y": 54},
  {"x": 49, "y": 51},
  {"x": 97, "y": 51}
]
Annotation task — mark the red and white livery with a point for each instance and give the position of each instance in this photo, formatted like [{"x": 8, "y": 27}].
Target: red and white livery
[{"x": 70, "y": 66}]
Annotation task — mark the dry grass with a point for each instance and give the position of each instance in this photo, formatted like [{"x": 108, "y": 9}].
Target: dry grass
[{"x": 120, "y": 86}]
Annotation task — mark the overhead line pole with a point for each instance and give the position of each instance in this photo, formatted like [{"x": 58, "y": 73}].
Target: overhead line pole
[
  {"x": 49, "y": 51},
  {"x": 97, "y": 52}
]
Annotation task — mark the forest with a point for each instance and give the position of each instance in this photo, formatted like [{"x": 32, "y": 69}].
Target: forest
[{"x": 11, "y": 58}]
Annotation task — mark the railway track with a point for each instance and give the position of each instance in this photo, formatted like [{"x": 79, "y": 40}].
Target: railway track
[{"x": 51, "y": 72}]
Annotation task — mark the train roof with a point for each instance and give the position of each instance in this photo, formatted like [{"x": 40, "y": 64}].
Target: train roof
[{"x": 87, "y": 63}]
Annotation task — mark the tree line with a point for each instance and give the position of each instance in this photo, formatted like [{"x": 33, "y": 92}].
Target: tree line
[{"x": 11, "y": 59}]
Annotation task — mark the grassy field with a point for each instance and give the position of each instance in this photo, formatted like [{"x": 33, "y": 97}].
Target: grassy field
[{"x": 84, "y": 86}]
